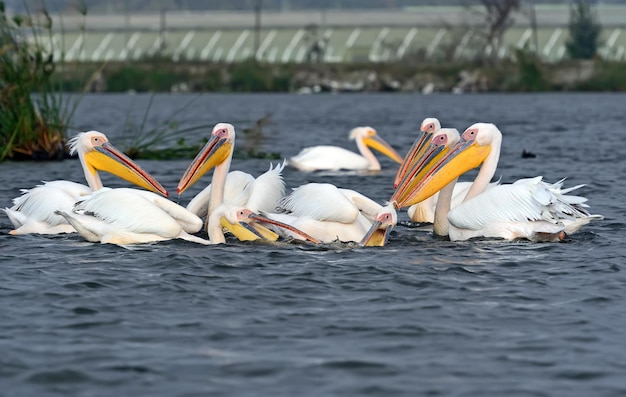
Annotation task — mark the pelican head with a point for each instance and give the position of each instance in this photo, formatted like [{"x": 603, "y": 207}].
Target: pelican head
[
  {"x": 239, "y": 221},
  {"x": 217, "y": 150},
  {"x": 386, "y": 220},
  {"x": 457, "y": 157},
  {"x": 96, "y": 153},
  {"x": 369, "y": 137},
  {"x": 247, "y": 225},
  {"x": 429, "y": 126},
  {"x": 433, "y": 151}
]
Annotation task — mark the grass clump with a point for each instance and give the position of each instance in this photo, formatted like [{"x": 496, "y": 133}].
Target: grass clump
[{"x": 33, "y": 114}]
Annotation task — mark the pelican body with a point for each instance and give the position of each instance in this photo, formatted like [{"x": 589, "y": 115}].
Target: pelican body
[
  {"x": 35, "y": 211},
  {"x": 327, "y": 213},
  {"x": 325, "y": 158},
  {"x": 128, "y": 216}
]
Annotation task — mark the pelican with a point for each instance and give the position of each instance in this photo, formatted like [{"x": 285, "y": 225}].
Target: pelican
[
  {"x": 327, "y": 213},
  {"x": 328, "y": 158},
  {"x": 127, "y": 216},
  {"x": 34, "y": 210},
  {"x": 526, "y": 209},
  {"x": 233, "y": 198}
]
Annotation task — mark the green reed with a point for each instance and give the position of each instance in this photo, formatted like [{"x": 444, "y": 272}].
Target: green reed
[{"x": 34, "y": 113}]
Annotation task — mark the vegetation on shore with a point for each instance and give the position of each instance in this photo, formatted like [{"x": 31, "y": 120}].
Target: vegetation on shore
[
  {"x": 525, "y": 73},
  {"x": 33, "y": 114}
]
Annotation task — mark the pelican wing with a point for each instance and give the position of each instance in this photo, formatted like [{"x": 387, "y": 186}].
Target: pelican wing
[
  {"x": 524, "y": 201},
  {"x": 189, "y": 221},
  {"x": 368, "y": 207},
  {"x": 34, "y": 210},
  {"x": 325, "y": 157},
  {"x": 320, "y": 201},
  {"x": 424, "y": 212},
  {"x": 127, "y": 211},
  {"x": 266, "y": 191}
]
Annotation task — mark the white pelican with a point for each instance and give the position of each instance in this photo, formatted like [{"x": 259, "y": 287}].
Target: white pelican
[
  {"x": 34, "y": 210},
  {"x": 231, "y": 193},
  {"x": 528, "y": 208},
  {"x": 327, "y": 213},
  {"x": 325, "y": 158},
  {"x": 128, "y": 216}
]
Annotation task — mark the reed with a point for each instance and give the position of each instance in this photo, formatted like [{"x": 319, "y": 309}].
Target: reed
[
  {"x": 34, "y": 112},
  {"x": 165, "y": 139}
]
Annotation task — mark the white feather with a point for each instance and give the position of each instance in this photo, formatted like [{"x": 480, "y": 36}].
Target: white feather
[{"x": 128, "y": 216}]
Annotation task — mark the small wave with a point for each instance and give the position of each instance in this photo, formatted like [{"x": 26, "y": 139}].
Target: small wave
[{"x": 59, "y": 376}]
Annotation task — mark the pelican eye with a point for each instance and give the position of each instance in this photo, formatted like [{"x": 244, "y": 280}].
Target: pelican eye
[
  {"x": 440, "y": 140},
  {"x": 470, "y": 134}
]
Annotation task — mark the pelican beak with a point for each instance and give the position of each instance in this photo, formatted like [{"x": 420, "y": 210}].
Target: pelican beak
[
  {"x": 107, "y": 157},
  {"x": 215, "y": 152},
  {"x": 259, "y": 218},
  {"x": 378, "y": 143},
  {"x": 415, "y": 152},
  {"x": 377, "y": 236},
  {"x": 464, "y": 156},
  {"x": 246, "y": 231},
  {"x": 425, "y": 159}
]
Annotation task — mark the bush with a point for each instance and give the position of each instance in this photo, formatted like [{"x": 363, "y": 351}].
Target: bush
[
  {"x": 141, "y": 80},
  {"x": 33, "y": 113},
  {"x": 610, "y": 76},
  {"x": 249, "y": 76}
]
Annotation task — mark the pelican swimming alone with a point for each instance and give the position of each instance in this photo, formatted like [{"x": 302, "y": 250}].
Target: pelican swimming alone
[
  {"x": 332, "y": 158},
  {"x": 528, "y": 208},
  {"x": 34, "y": 210},
  {"x": 230, "y": 193}
]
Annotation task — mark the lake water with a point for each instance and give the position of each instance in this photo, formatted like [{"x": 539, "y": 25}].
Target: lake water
[{"x": 421, "y": 316}]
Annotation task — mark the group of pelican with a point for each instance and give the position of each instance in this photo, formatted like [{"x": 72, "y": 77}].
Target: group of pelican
[{"x": 258, "y": 208}]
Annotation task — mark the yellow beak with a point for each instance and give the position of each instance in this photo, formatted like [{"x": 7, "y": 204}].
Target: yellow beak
[
  {"x": 251, "y": 229},
  {"x": 464, "y": 156},
  {"x": 305, "y": 236},
  {"x": 415, "y": 152},
  {"x": 215, "y": 152},
  {"x": 245, "y": 231},
  {"x": 376, "y": 236},
  {"x": 425, "y": 159},
  {"x": 379, "y": 144},
  {"x": 108, "y": 158}
]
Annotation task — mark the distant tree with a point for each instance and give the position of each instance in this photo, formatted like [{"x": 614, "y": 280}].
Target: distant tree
[
  {"x": 584, "y": 31},
  {"x": 498, "y": 18}
]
